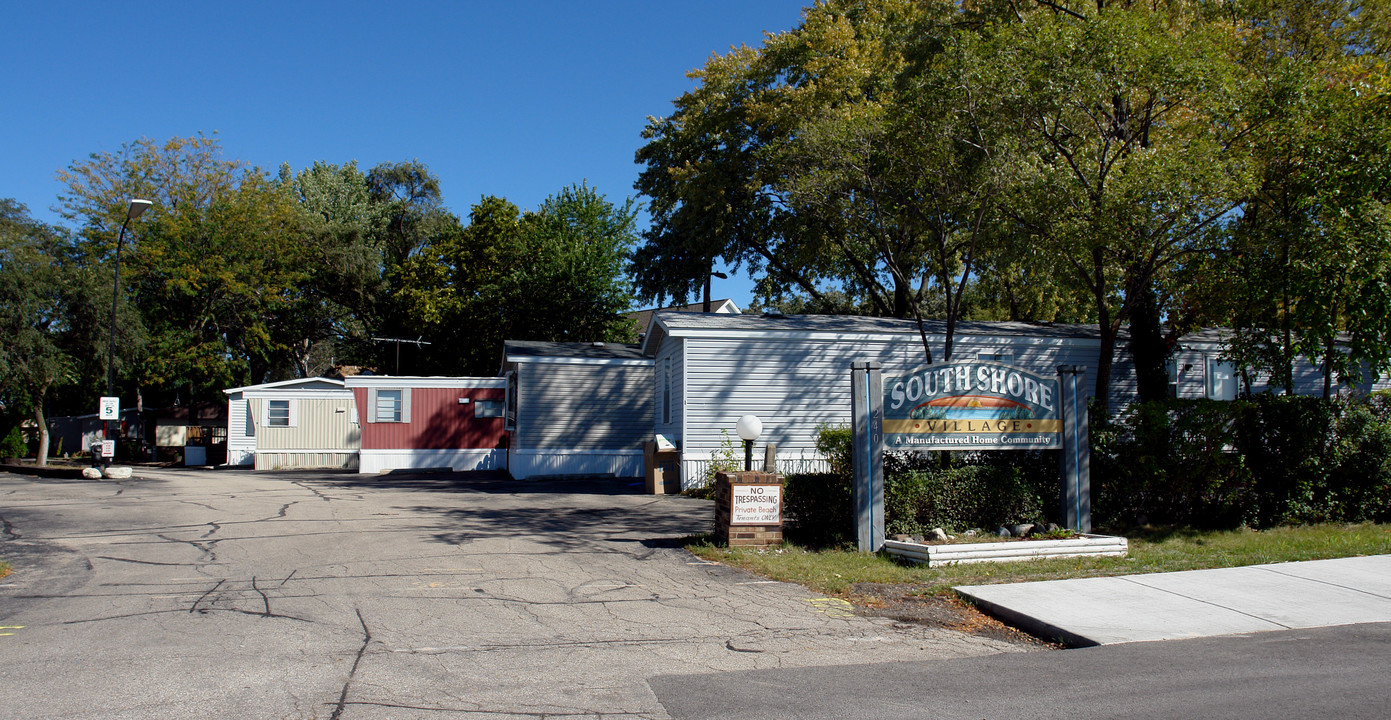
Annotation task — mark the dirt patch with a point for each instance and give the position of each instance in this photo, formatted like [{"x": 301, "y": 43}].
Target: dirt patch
[{"x": 909, "y": 603}]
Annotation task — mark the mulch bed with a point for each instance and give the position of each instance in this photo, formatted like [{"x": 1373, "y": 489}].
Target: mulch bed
[{"x": 908, "y": 603}]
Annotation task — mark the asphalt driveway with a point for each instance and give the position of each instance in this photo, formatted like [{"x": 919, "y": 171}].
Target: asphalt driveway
[{"x": 181, "y": 594}]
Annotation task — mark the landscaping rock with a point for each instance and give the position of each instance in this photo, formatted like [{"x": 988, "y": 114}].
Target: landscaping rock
[
  {"x": 91, "y": 473},
  {"x": 902, "y": 538},
  {"x": 1021, "y": 530},
  {"x": 1002, "y": 531},
  {"x": 118, "y": 473},
  {"x": 938, "y": 534}
]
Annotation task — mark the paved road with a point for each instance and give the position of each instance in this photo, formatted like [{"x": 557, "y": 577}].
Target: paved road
[
  {"x": 1337, "y": 672},
  {"x": 237, "y": 594}
]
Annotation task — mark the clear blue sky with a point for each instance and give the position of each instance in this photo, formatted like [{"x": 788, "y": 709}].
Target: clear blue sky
[{"x": 516, "y": 99}]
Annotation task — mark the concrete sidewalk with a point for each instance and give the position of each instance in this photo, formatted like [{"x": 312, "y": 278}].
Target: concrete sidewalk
[{"x": 1195, "y": 603}]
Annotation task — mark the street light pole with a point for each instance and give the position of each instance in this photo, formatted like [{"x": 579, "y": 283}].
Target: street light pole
[
  {"x": 749, "y": 428},
  {"x": 133, "y": 211}
]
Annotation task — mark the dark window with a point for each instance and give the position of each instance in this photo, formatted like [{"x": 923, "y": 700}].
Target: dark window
[{"x": 278, "y": 413}]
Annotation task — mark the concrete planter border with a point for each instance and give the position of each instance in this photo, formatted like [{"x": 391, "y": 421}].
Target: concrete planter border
[{"x": 935, "y": 555}]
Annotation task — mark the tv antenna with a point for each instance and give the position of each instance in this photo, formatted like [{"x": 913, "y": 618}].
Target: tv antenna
[{"x": 416, "y": 342}]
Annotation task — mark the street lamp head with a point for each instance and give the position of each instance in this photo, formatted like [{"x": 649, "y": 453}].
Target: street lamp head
[
  {"x": 749, "y": 427},
  {"x": 136, "y": 208}
]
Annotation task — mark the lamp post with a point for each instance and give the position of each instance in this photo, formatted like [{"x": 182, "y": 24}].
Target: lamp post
[
  {"x": 749, "y": 428},
  {"x": 133, "y": 211}
]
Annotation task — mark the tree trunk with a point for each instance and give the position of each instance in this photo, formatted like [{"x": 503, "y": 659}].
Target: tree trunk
[
  {"x": 41, "y": 456},
  {"x": 1148, "y": 348}
]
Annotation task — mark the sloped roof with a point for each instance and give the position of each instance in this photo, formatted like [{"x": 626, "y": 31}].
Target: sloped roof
[
  {"x": 537, "y": 351},
  {"x": 322, "y": 382},
  {"x": 643, "y": 318},
  {"x": 853, "y": 326}
]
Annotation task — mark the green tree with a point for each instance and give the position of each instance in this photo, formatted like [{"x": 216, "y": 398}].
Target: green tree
[
  {"x": 346, "y": 293},
  {"x": 856, "y": 157},
  {"x": 1306, "y": 276},
  {"x": 1127, "y": 117},
  {"x": 214, "y": 268},
  {"x": 553, "y": 274},
  {"x": 33, "y": 317}
]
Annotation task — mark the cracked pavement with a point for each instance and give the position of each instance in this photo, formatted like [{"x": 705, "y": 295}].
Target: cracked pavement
[{"x": 179, "y": 594}]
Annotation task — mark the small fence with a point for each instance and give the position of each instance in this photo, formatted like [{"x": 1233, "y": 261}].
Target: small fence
[{"x": 697, "y": 471}]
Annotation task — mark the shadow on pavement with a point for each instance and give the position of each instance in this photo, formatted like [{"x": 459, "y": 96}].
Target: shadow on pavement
[{"x": 487, "y": 481}]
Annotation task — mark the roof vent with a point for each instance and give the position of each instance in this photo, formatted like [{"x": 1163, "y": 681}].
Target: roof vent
[
  {"x": 597, "y": 344},
  {"x": 773, "y": 314}
]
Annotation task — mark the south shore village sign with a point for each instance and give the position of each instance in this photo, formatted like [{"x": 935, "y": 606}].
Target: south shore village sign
[
  {"x": 972, "y": 406},
  {"x": 966, "y": 406}
]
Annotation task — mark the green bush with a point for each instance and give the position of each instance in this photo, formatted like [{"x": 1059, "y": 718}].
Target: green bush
[
  {"x": 959, "y": 498},
  {"x": 818, "y": 509},
  {"x": 1169, "y": 463},
  {"x": 973, "y": 490},
  {"x": 12, "y": 445},
  {"x": 1267, "y": 461}
]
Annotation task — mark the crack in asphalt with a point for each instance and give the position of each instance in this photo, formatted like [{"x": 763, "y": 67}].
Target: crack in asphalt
[
  {"x": 366, "y": 640},
  {"x": 207, "y": 548},
  {"x": 145, "y": 562},
  {"x": 7, "y": 530},
  {"x": 204, "y": 596},
  {"x": 264, "y": 598},
  {"x": 317, "y": 494}
]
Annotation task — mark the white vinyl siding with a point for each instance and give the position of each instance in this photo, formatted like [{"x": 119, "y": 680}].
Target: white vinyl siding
[
  {"x": 666, "y": 391},
  {"x": 582, "y": 407},
  {"x": 671, "y": 392},
  {"x": 796, "y": 385},
  {"x": 323, "y": 424}
]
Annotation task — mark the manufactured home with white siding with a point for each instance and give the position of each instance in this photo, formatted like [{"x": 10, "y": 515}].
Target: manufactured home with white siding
[
  {"x": 577, "y": 408},
  {"x": 793, "y": 372},
  {"x": 1199, "y": 369},
  {"x": 302, "y": 423}
]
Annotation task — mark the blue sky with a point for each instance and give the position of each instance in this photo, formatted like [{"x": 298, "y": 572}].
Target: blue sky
[{"x": 516, "y": 99}]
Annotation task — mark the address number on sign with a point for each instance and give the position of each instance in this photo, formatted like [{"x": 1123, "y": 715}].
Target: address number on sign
[{"x": 756, "y": 505}]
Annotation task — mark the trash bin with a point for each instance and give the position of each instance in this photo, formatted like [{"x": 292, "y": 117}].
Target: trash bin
[{"x": 662, "y": 466}]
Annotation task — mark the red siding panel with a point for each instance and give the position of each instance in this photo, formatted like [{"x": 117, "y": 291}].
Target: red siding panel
[{"x": 438, "y": 422}]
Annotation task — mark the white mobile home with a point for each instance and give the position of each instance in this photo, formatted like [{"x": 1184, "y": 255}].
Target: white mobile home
[
  {"x": 303, "y": 423},
  {"x": 577, "y": 408},
  {"x": 793, "y": 372}
]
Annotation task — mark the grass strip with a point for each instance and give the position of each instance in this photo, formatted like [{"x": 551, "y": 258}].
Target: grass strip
[{"x": 1152, "y": 550}]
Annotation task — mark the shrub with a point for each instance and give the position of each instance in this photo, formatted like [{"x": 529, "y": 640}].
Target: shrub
[
  {"x": 818, "y": 509},
  {"x": 12, "y": 444},
  {"x": 835, "y": 443},
  {"x": 1170, "y": 463},
  {"x": 1271, "y": 460},
  {"x": 959, "y": 498}
]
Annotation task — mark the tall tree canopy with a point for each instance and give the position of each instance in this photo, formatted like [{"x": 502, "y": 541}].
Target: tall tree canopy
[
  {"x": 913, "y": 159},
  {"x": 553, "y": 274},
  {"x": 851, "y": 161},
  {"x": 214, "y": 267},
  {"x": 37, "y": 301}
]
